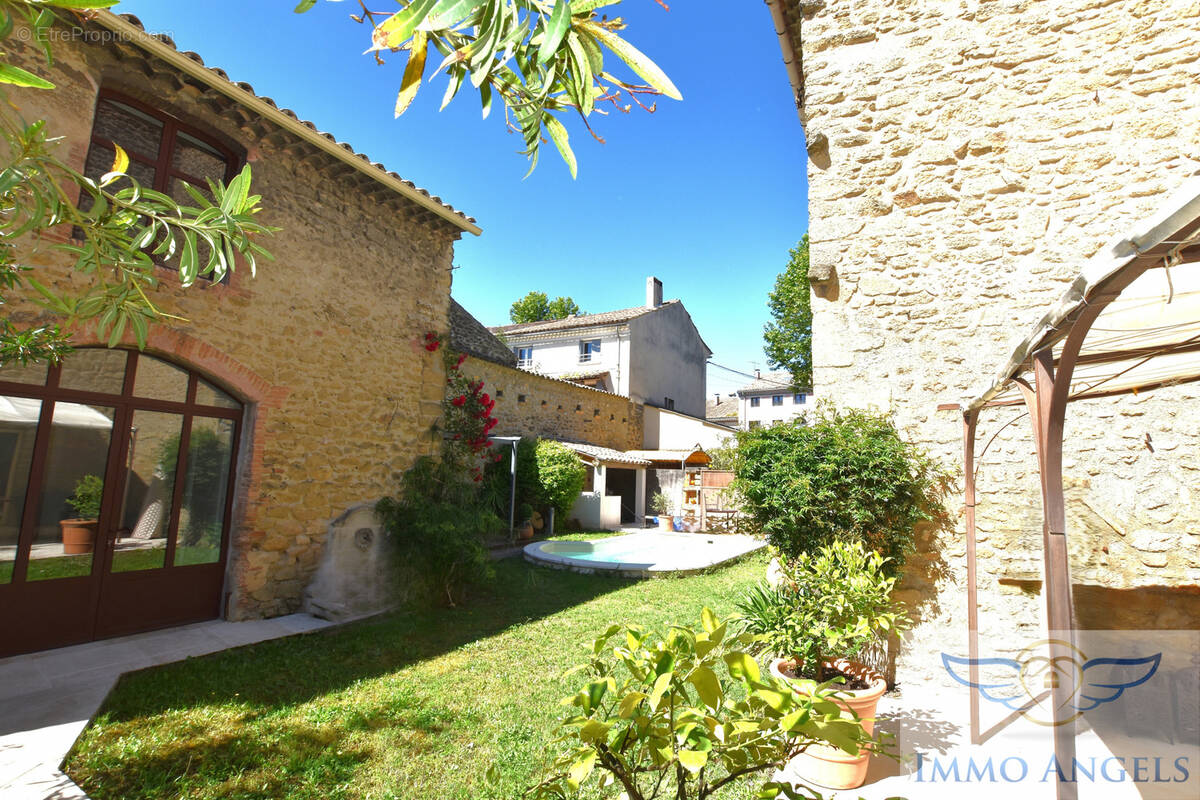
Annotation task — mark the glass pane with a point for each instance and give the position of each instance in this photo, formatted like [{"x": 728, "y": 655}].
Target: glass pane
[
  {"x": 69, "y": 507},
  {"x": 197, "y": 159},
  {"x": 34, "y": 374},
  {"x": 136, "y": 131},
  {"x": 209, "y": 395},
  {"x": 94, "y": 370},
  {"x": 18, "y": 426},
  {"x": 141, "y": 541},
  {"x": 205, "y": 481},
  {"x": 159, "y": 380}
]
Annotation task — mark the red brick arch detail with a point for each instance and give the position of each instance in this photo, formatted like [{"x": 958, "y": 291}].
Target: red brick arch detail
[{"x": 261, "y": 398}]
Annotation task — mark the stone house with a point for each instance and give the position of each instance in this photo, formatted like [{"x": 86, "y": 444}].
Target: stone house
[
  {"x": 964, "y": 160},
  {"x": 652, "y": 353},
  {"x": 274, "y": 404},
  {"x": 771, "y": 398}
]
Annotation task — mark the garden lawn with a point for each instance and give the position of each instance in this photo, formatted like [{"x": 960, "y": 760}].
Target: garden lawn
[{"x": 410, "y": 705}]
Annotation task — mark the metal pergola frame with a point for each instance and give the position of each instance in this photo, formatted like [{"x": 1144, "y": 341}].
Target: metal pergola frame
[{"x": 1041, "y": 370}]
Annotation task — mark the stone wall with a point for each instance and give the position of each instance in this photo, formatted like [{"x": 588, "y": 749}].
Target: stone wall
[
  {"x": 323, "y": 345},
  {"x": 965, "y": 159},
  {"x": 533, "y": 405}
]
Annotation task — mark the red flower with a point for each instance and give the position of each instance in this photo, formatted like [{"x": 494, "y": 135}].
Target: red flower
[
  {"x": 459, "y": 401},
  {"x": 485, "y": 399},
  {"x": 499, "y": 457},
  {"x": 478, "y": 478},
  {"x": 461, "y": 359},
  {"x": 429, "y": 337},
  {"x": 434, "y": 345},
  {"x": 491, "y": 423}
]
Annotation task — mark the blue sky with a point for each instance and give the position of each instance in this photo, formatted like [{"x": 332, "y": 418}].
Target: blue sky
[{"x": 707, "y": 194}]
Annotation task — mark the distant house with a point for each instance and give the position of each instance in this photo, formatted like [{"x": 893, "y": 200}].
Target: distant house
[
  {"x": 771, "y": 398},
  {"x": 722, "y": 411},
  {"x": 652, "y": 354}
]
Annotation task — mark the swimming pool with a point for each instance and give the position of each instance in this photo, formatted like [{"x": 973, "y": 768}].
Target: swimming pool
[{"x": 644, "y": 554}]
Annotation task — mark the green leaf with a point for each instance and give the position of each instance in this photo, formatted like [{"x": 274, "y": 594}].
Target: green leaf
[
  {"x": 556, "y": 28},
  {"x": 709, "y": 620},
  {"x": 414, "y": 71},
  {"x": 637, "y": 61},
  {"x": 19, "y": 77},
  {"x": 447, "y": 14},
  {"x": 629, "y": 704},
  {"x": 6, "y": 23},
  {"x": 661, "y": 684},
  {"x": 81, "y": 4},
  {"x": 485, "y": 97},
  {"x": 396, "y": 29},
  {"x": 594, "y": 731},
  {"x": 707, "y": 686},
  {"x": 693, "y": 760},
  {"x": 304, "y": 5},
  {"x": 582, "y": 767},
  {"x": 558, "y": 135},
  {"x": 743, "y": 667}
]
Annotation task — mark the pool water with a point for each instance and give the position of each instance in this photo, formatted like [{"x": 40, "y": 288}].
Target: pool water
[{"x": 644, "y": 553}]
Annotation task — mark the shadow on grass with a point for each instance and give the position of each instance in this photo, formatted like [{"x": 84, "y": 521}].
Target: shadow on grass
[{"x": 296, "y": 669}]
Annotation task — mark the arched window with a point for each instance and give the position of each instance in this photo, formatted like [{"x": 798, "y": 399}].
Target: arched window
[{"x": 116, "y": 485}]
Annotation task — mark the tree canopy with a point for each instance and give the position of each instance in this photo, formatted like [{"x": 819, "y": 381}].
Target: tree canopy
[
  {"x": 541, "y": 58},
  {"x": 789, "y": 337},
  {"x": 535, "y": 307}
]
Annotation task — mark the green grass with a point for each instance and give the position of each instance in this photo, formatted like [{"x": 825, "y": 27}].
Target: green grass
[
  {"x": 43, "y": 569},
  {"x": 409, "y": 705}
]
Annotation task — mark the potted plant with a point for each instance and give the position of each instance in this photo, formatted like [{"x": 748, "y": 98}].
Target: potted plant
[
  {"x": 524, "y": 521},
  {"x": 661, "y": 507},
  {"x": 79, "y": 535},
  {"x": 825, "y": 612}
]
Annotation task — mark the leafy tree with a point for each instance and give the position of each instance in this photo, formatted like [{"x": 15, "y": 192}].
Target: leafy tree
[
  {"x": 541, "y": 58},
  {"x": 789, "y": 337},
  {"x": 535, "y": 307},
  {"x": 119, "y": 227}
]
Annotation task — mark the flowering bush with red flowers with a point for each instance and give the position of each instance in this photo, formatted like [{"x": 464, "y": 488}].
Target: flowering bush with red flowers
[
  {"x": 467, "y": 418},
  {"x": 433, "y": 341}
]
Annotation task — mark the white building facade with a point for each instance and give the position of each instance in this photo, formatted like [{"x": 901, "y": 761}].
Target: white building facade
[
  {"x": 652, "y": 354},
  {"x": 770, "y": 399}
]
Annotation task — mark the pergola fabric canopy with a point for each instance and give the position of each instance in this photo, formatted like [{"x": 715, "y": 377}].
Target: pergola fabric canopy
[{"x": 1147, "y": 334}]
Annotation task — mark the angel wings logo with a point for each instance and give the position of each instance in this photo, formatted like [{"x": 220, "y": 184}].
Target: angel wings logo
[{"x": 1025, "y": 684}]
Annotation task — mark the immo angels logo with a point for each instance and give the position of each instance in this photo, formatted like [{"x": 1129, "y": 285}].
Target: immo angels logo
[{"x": 1025, "y": 684}]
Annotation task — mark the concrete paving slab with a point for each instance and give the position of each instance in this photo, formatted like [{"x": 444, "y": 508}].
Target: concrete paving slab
[{"x": 47, "y": 698}]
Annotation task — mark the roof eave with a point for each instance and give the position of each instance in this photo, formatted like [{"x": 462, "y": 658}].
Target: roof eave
[{"x": 179, "y": 61}]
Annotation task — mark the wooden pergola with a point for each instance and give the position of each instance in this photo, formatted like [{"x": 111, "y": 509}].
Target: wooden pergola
[{"x": 1129, "y": 323}]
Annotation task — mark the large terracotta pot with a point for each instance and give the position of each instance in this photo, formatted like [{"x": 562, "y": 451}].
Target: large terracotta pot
[
  {"x": 525, "y": 530},
  {"x": 825, "y": 765},
  {"x": 665, "y": 522},
  {"x": 78, "y": 535}
]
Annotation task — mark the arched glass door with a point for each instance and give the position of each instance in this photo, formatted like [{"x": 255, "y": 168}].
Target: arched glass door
[{"x": 116, "y": 485}]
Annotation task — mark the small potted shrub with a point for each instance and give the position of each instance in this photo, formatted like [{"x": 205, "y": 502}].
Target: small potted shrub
[
  {"x": 686, "y": 716},
  {"x": 824, "y": 613},
  {"x": 662, "y": 509},
  {"x": 524, "y": 521},
  {"x": 79, "y": 534}
]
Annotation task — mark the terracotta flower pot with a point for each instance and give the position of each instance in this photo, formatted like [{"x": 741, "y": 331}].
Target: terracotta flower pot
[
  {"x": 525, "y": 530},
  {"x": 665, "y": 522},
  {"x": 79, "y": 535},
  {"x": 826, "y": 765}
]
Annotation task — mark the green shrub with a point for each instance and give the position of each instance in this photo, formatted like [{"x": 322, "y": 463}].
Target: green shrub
[
  {"x": 684, "y": 717},
  {"x": 659, "y": 504},
  {"x": 832, "y": 604},
  {"x": 560, "y": 476},
  {"x": 438, "y": 524},
  {"x": 838, "y": 476},
  {"x": 86, "y": 500}
]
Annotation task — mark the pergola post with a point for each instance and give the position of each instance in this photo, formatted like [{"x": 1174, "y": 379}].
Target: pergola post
[{"x": 970, "y": 420}]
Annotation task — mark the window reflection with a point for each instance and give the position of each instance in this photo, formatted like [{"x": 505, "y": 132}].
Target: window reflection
[{"x": 18, "y": 428}]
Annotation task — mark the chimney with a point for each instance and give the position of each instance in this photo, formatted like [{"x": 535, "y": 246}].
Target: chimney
[
  {"x": 718, "y": 400},
  {"x": 653, "y": 292}
]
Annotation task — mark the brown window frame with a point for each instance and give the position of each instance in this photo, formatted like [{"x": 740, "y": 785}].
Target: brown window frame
[{"x": 163, "y": 171}]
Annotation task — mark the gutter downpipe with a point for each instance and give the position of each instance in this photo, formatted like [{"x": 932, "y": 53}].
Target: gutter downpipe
[{"x": 790, "y": 60}]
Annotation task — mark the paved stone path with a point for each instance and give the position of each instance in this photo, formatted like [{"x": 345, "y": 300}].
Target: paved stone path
[{"x": 47, "y": 698}]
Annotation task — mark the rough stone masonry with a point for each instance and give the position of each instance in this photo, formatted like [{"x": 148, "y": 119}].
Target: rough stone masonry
[{"x": 965, "y": 159}]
